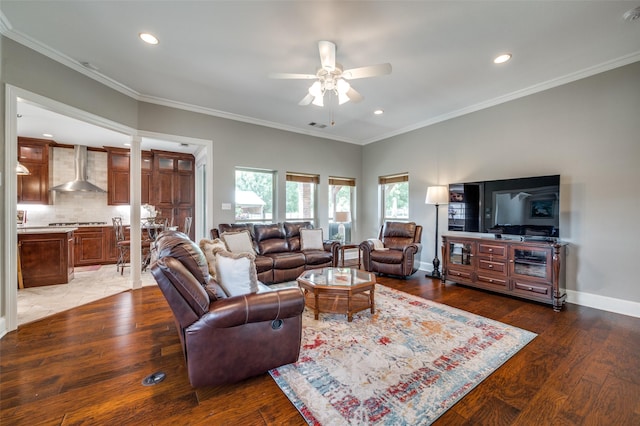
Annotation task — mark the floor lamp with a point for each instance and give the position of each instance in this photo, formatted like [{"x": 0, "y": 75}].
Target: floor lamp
[{"x": 437, "y": 195}]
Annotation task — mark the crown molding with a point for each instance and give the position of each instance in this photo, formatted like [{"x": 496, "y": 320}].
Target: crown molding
[
  {"x": 7, "y": 30},
  {"x": 242, "y": 118},
  {"x": 549, "y": 84}
]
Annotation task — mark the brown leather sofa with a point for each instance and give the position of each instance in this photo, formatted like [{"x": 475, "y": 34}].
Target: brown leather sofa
[
  {"x": 402, "y": 245},
  {"x": 224, "y": 339},
  {"x": 279, "y": 254}
]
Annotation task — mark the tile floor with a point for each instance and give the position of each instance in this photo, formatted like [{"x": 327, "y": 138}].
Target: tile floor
[{"x": 39, "y": 302}]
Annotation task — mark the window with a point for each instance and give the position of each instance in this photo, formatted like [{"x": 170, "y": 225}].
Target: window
[
  {"x": 254, "y": 195},
  {"x": 301, "y": 196},
  {"x": 341, "y": 208},
  {"x": 394, "y": 193}
]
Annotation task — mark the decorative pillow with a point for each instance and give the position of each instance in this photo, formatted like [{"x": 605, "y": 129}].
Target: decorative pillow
[
  {"x": 238, "y": 242},
  {"x": 209, "y": 248},
  {"x": 236, "y": 272},
  {"x": 311, "y": 239},
  {"x": 377, "y": 244}
]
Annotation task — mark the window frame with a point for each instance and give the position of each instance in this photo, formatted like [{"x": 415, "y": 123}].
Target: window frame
[
  {"x": 383, "y": 182},
  {"x": 303, "y": 178},
  {"x": 341, "y": 182},
  {"x": 274, "y": 180}
]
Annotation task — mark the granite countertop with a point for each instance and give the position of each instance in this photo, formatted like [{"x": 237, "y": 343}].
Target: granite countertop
[{"x": 46, "y": 229}]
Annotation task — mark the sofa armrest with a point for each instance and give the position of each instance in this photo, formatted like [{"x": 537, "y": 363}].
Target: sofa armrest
[
  {"x": 333, "y": 247},
  {"x": 412, "y": 249},
  {"x": 252, "y": 308},
  {"x": 366, "y": 247}
]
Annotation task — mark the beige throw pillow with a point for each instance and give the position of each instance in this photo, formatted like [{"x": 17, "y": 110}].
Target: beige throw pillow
[
  {"x": 209, "y": 248},
  {"x": 311, "y": 239},
  {"x": 236, "y": 272},
  {"x": 238, "y": 242}
]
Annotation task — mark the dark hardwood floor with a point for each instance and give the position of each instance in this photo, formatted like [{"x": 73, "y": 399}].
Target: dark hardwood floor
[{"x": 86, "y": 366}]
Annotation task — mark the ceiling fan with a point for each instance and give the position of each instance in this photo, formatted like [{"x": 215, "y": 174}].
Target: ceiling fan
[{"x": 332, "y": 78}]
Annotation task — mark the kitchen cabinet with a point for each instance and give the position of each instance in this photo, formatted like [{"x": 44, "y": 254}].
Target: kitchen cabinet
[
  {"x": 173, "y": 186},
  {"x": 34, "y": 154},
  {"x": 118, "y": 175},
  {"x": 90, "y": 246},
  {"x": 531, "y": 270},
  {"x": 95, "y": 245},
  {"x": 46, "y": 256}
]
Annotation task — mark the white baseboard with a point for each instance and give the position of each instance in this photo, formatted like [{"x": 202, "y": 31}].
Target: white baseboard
[{"x": 604, "y": 303}]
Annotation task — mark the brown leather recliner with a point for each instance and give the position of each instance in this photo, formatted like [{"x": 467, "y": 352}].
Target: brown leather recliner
[
  {"x": 401, "y": 253},
  {"x": 224, "y": 339}
]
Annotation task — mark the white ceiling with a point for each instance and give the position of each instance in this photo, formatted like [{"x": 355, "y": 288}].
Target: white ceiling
[{"x": 215, "y": 56}]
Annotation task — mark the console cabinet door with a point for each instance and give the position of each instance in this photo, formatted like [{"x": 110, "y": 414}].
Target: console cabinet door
[
  {"x": 530, "y": 263},
  {"x": 460, "y": 260}
]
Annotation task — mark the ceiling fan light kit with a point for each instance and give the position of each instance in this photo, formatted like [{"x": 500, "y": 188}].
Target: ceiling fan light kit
[{"x": 331, "y": 77}]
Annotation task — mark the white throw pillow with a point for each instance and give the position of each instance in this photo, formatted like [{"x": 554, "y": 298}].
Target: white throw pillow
[
  {"x": 236, "y": 272},
  {"x": 311, "y": 239},
  {"x": 377, "y": 244},
  {"x": 238, "y": 242},
  {"x": 209, "y": 248}
]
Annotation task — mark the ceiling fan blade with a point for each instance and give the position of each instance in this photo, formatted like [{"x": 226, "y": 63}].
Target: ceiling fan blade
[
  {"x": 306, "y": 100},
  {"x": 353, "y": 95},
  {"x": 286, "y": 75},
  {"x": 369, "y": 71},
  {"x": 327, "y": 55}
]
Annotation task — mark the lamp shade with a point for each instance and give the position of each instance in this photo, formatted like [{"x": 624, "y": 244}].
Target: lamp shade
[
  {"x": 437, "y": 195},
  {"x": 343, "y": 217}
]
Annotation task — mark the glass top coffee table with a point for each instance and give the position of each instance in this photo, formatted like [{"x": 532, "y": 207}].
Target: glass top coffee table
[{"x": 338, "y": 290}]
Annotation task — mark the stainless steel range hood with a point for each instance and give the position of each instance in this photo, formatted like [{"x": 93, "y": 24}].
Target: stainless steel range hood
[{"x": 80, "y": 183}]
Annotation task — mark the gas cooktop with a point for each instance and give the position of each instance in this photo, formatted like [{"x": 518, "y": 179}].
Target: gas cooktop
[{"x": 77, "y": 223}]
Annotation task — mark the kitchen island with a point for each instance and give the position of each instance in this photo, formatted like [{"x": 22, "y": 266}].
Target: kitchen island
[{"x": 45, "y": 255}]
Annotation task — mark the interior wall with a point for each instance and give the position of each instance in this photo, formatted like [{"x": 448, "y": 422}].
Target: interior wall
[
  {"x": 586, "y": 131},
  {"x": 28, "y": 69},
  {"x": 238, "y": 144}
]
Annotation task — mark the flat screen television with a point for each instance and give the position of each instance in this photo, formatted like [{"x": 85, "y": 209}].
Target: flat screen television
[{"x": 526, "y": 207}]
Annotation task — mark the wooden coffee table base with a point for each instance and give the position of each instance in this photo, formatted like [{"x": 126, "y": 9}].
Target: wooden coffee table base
[{"x": 340, "y": 301}]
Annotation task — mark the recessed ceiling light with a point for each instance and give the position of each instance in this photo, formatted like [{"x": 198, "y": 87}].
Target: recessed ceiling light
[
  {"x": 148, "y": 38},
  {"x": 502, "y": 58},
  {"x": 378, "y": 112},
  {"x": 47, "y": 135}
]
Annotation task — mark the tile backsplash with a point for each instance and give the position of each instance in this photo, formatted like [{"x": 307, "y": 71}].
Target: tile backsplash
[{"x": 75, "y": 206}]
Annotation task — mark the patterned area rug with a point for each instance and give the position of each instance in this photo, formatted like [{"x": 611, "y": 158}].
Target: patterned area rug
[{"x": 405, "y": 365}]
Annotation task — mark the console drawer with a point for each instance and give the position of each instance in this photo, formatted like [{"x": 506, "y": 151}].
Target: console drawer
[
  {"x": 496, "y": 250},
  {"x": 533, "y": 290},
  {"x": 495, "y": 267},
  {"x": 459, "y": 275},
  {"x": 494, "y": 281}
]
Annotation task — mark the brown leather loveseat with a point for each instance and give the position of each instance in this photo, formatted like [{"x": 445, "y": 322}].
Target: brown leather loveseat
[
  {"x": 225, "y": 339},
  {"x": 279, "y": 253},
  {"x": 400, "y": 254}
]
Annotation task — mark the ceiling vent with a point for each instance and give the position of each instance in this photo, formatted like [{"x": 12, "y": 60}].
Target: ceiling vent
[{"x": 318, "y": 125}]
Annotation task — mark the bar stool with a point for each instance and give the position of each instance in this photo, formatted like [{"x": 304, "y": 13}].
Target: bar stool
[{"x": 187, "y": 225}]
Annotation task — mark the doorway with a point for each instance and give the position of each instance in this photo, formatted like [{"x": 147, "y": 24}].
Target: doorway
[{"x": 202, "y": 151}]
